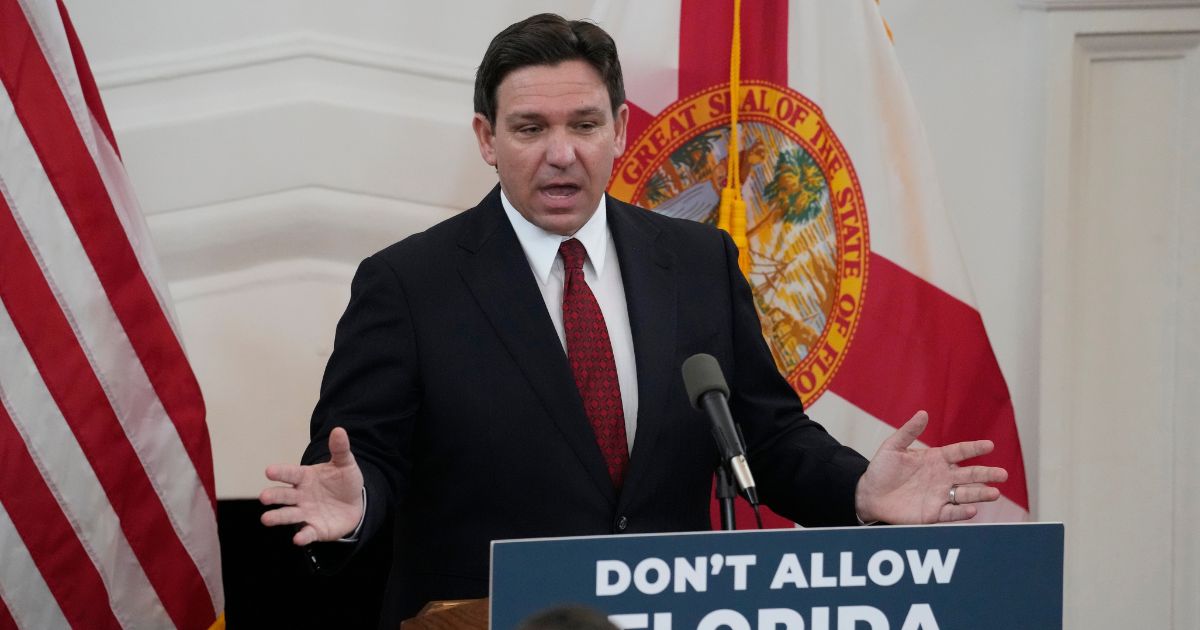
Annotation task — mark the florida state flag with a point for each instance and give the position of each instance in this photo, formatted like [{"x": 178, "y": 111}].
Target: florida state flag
[{"x": 857, "y": 277}]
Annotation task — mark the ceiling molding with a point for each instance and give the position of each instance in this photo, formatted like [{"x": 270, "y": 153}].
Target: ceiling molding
[
  {"x": 1091, "y": 5},
  {"x": 276, "y": 49}
]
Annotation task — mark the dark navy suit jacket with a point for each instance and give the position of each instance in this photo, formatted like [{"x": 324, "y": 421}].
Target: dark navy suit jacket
[{"x": 464, "y": 416}]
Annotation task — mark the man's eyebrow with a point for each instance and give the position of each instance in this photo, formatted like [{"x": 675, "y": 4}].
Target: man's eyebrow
[
  {"x": 589, "y": 111},
  {"x": 523, "y": 117}
]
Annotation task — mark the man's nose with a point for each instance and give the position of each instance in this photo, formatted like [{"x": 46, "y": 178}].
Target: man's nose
[{"x": 560, "y": 150}]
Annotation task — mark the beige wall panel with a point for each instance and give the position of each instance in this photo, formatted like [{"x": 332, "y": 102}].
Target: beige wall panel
[
  {"x": 1119, "y": 281},
  {"x": 258, "y": 340}
]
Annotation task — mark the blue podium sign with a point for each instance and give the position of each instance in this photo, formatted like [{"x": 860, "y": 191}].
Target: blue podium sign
[{"x": 981, "y": 577}]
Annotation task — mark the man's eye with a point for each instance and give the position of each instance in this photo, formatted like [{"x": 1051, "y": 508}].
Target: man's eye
[
  {"x": 586, "y": 126},
  {"x": 528, "y": 130}
]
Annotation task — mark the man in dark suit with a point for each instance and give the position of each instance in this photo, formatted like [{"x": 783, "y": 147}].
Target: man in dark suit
[{"x": 514, "y": 371}]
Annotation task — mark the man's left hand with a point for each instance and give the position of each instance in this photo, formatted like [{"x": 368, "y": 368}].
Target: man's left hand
[{"x": 905, "y": 485}]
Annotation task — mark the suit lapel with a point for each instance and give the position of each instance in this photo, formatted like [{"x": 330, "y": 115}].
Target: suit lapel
[
  {"x": 495, "y": 269},
  {"x": 650, "y": 292}
]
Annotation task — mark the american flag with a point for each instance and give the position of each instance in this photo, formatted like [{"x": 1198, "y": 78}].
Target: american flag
[{"x": 107, "y": 502}]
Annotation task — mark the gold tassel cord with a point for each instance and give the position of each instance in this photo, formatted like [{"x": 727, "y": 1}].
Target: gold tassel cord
[{"x": 731, "y": 216}]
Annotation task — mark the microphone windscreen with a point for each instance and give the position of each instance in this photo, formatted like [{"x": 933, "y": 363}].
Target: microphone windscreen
[{"x": 702, "y": 374}]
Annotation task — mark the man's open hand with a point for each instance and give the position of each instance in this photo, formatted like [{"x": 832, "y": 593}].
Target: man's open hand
[
  {"x": 913, "y": 485},
  {"x": 326, "y": 498}
]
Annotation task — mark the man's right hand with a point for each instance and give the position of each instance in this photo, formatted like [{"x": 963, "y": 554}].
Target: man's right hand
[{"x": 326, "y": 498}]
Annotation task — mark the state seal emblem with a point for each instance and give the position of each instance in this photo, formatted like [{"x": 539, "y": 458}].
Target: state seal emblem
[{"x": 806, "y": 223}]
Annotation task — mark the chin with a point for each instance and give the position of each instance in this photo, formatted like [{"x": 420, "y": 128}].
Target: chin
[
  {"x": 562, "y": 221},
  {"x": 564, "y": 229}
]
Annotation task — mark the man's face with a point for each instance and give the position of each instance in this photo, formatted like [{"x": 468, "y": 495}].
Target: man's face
[{"x": 554, "y": 142}]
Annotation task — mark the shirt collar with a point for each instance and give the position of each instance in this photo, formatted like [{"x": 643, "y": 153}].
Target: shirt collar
[{"x": 541, "y": 247}]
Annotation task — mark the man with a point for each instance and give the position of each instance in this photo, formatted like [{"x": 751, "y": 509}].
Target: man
[{"x": 514, "y": 371}]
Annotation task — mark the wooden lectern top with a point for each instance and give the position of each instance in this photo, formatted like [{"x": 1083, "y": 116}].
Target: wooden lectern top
[{"x": 461, "y": 614}]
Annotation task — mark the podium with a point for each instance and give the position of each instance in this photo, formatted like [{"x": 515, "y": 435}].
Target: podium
[{"x": 985, "y": 577}]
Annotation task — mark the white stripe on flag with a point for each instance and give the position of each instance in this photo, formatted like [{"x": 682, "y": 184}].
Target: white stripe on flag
[
  {"x": 868, "y": 104},
  {"x": 129, "y": 213},
  {"x": 70, "y": 477},
  {"x": 22, "y": 588},
  {"x": 51, "y": 236}
]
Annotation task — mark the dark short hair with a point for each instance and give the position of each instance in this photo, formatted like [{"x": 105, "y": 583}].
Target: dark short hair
[
  {"x": 547, "y": 39},
  {"x": 568, "y": 617}
]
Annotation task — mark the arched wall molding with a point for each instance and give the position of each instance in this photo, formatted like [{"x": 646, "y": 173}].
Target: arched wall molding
[
  {"x": 262, "y": 150},
  {"x": 237, "y": 88},
  {"x": 273, "y": 49},
  {"x": 276, "y": 272},
  {"x": 302, "y": 223}
]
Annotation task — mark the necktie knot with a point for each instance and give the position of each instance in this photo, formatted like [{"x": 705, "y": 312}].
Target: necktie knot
[{"x": 572, "y": 253}]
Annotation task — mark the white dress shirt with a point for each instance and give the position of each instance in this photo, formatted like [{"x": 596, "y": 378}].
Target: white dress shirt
[{"x": 602, "y": 271}]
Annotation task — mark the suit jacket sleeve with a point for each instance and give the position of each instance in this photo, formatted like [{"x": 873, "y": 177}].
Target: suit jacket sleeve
[
  {"x": 370, "y": 388},
  {"x": 802, "y": 472}
]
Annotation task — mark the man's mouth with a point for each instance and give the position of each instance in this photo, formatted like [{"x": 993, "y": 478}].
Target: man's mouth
[{"x": 560, "y": 190}]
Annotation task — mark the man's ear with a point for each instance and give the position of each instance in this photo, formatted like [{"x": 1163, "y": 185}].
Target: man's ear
[
  {"x": 620, "y": 126},
  {"x": 486, "y": 138}
]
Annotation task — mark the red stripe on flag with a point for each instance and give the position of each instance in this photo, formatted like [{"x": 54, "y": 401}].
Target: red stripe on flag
[
  {"x": 918, "y": 347},
  {"x": 44, "y": 113},
  {"x": 55, "y": 350},
  {"x": 6, "y": 620},
  {"x": 91, "y": 95},
  {"x": 706, "y": 35},
  {"x": 46, "y": 533},
  {"x": 639, "y": 120}
]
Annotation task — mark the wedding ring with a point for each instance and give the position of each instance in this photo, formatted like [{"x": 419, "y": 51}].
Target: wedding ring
[{"x": 953, "y": 499}]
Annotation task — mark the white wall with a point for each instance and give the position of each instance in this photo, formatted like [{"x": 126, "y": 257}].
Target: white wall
[
  {"x": 275, "y": 143},
  {"x": 1067, "y": 137}
]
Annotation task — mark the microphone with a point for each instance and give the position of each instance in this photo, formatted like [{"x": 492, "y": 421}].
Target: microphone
[{"x": 707, "y": 391}]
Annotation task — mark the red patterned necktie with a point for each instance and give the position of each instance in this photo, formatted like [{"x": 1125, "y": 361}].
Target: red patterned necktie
[{"x": 590, "y": 354}]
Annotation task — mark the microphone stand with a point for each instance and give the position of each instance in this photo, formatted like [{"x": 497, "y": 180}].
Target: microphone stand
[{"x": 727, "y": 491}]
